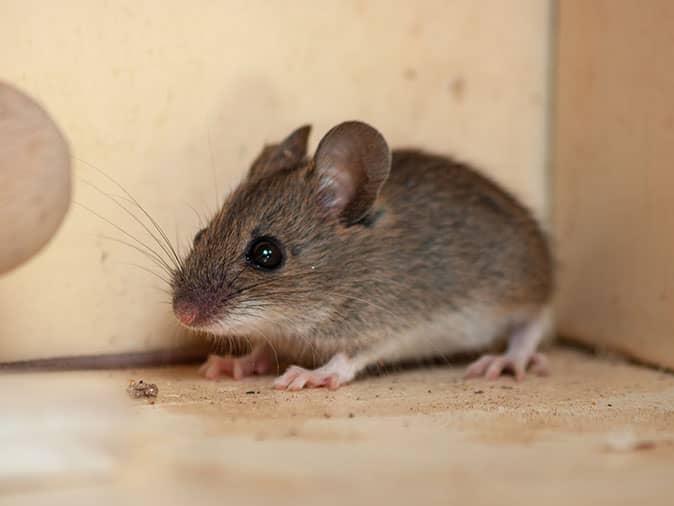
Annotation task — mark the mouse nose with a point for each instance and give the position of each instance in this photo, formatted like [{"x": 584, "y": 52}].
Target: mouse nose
[{"x": 186, "y": 312}]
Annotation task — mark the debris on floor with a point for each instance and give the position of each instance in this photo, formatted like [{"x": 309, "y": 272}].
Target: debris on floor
[{"x": 139, "y": 389}]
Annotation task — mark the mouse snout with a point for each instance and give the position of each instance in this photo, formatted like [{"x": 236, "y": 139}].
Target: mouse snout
[{"x": 186, "y": 312}]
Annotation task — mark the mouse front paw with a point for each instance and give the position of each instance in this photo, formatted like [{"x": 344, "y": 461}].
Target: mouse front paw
[
  {"x": 258, "y": 361},
  {"x": 335, "y": 373}
]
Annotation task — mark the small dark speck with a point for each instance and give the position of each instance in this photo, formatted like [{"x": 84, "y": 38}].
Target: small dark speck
[
  {"x": 410, "y": 74},
  {"x": 430, "y": 392},
  {"x": 416, "y": 29},
  {"x": 327, "y": 415},
  {"x": 351, "y": 415},
  {"x": 610, "y": 405},
  {"x": 457, "y": 87},
  {"x": 478, "y": 392},
  {"x": 249, "y": 392}
]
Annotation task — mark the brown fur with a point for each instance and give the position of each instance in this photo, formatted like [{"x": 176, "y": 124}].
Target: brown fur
[{"x": 438, "y": 237}]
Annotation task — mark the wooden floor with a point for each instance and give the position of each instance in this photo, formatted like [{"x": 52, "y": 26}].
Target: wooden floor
[{"x": 595, "y": 432}]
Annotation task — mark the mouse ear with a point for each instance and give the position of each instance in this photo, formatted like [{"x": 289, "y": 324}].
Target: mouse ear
[
  {"x": 284, "y": 156},
  {"x": 352, "y": 162}
]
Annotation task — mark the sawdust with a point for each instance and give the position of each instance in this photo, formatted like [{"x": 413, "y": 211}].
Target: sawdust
[{"x": 595, "y": 432}]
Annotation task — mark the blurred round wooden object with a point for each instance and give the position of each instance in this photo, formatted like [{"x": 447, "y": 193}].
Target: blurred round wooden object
[{"x": 34, "y": 177}]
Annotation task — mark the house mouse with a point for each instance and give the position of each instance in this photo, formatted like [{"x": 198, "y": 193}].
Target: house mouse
[{"x": 361, "y": 255}]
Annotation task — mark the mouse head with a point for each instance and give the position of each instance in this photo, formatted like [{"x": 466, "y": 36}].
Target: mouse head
[{"x": 272, "y": 258}]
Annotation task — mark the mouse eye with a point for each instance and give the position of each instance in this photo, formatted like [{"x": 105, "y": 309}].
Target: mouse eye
[
  {"x": 198, "y": 236},
  {"x": 265, "y": 253}
]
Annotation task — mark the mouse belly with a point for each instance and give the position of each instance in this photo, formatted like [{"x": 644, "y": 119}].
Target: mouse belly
[
  {"x": 338, "y": 361},
  {"x": 446, "y": 334}
]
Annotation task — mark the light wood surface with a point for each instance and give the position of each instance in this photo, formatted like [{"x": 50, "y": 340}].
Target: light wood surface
[{"x": 595, "y": 432}]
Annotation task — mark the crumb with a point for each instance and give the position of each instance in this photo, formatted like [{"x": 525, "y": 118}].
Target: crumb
[
  {"x": 249, "y": 392},
  {"x": 351, "y": 415},
  {"x": 610, "y": 405},
  {"x": 138, "y": 389},
  {"x": 429, "y": 392},
  {"x": 478, "y": 392}
]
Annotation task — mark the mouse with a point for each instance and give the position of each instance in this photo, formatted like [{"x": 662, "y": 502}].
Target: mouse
[{"x": 361, "y": 255}]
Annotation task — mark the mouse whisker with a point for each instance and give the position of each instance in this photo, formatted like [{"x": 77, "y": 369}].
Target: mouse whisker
[
  {"x": 273, "y": 349},
  {"x": 200, "y": 218},
  {"x": 158, "y": 261},
  {"x": 364, "y": 301},
  {"x": 115, "y": 200},
  {"x": 153, "y": 273},
  {"x": 215, "y": 173},
  {"x": 120, "y": 229},
  {"x": 236, "y": 277},
  {"x": 156, "y": 225},
  {"x": 250, "y": 287}
]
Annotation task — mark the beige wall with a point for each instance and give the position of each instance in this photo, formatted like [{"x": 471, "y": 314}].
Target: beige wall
[
  {"x": 141, "y": 87},
  {"x": 614, "y": 183}
]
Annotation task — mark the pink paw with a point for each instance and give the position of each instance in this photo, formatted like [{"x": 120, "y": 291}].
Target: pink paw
[
  {"x": 493, "y": 366},
  {"x": 259, "y": 361},
  {"x": 297, "y": 378},
  {"x": 338, "y": 371}
]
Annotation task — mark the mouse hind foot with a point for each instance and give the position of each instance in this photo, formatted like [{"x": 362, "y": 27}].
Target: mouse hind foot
[
  {"x": 259, "y": 361},
  {"x": 520, "y": 354}
]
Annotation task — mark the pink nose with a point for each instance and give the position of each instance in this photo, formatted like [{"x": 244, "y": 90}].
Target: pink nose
[{"x": 185, "y": 312}]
